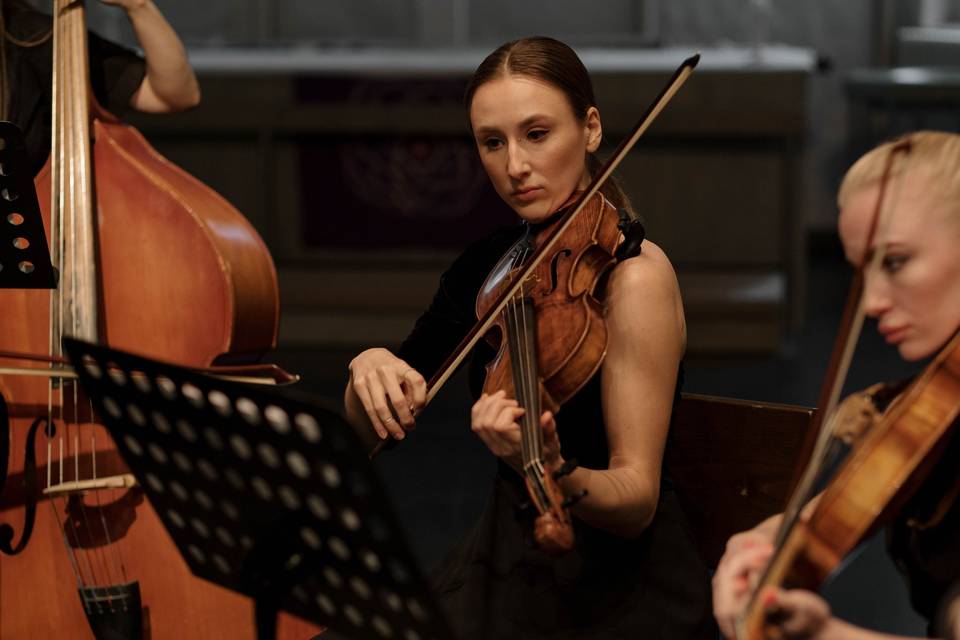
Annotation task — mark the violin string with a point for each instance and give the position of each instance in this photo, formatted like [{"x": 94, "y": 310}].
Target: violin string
[
  {"x": 513, "y": 335},
  {"x": 531, "y": 390},
  {"x": 533, "y": 378}
]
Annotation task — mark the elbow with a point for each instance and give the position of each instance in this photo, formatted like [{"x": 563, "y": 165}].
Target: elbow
[
  {"x": 641, "y": 515},
  {"x": 181, "y": 98},
  {"x": 636, "y": 513},
  {"x": 187, "y": 99},
  {"x": 194, "y": 96}
]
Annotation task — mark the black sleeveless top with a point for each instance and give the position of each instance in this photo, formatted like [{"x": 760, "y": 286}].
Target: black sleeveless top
[
  {"x": 497, "y": 583},
  {"x": 924, "y": 538},
  {"x": 115, "y": 74}
]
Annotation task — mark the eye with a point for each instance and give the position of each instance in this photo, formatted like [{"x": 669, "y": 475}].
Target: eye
[
  {"x": 491, "y": 144},
  {"x": 537, "y": 134},
  {"x": 893, "y": 263}
]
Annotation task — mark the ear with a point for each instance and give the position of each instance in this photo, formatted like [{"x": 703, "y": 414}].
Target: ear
[{"x": 593, "y": 129}]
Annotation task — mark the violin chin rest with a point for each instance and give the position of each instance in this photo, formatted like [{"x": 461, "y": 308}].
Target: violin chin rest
[{"x": 633, "y": 235}]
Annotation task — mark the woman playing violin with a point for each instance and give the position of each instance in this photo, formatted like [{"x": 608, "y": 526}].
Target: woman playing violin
[
  {"x": 633, "y": 572},
  {"x": 915, "y": 297}
]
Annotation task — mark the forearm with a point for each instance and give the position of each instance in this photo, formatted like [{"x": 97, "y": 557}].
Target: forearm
[
  {"x": 837, "y": 629},
  {"x": 618, "y": 500},
  {"x": 170, "y": 84}
]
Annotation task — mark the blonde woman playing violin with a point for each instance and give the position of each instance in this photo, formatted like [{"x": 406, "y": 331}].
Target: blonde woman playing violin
[{"x": 915, "y": 298}]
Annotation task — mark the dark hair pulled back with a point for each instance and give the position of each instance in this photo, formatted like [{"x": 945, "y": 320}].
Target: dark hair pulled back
[{"x": 553, "y": 62}]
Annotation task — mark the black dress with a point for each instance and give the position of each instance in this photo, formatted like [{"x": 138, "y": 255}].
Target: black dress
[
  {"x": 115, "y": 74},
  {"x": 497, "y": 583},
  {"x": 924, "y": 538}
]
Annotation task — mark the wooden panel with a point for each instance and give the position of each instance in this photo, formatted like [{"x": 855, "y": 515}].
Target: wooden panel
[
  {"x": 703, "y": 205},
  {"x": 732, "y": 463}
]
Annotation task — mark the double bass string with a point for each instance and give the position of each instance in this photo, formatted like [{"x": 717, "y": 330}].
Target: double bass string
[
  {"x": 60, "y": 204},
  {"x": 73, "y": 305}
]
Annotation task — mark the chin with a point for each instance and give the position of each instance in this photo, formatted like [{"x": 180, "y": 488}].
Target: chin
[
  {"x": 911, "y": 352},
  {"x": 529, "y": 214}
]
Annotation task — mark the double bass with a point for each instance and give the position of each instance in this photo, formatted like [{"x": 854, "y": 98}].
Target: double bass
[{"x": 152, "y": 261}]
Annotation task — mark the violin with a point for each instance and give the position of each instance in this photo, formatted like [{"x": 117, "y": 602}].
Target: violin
[
  {"x": 551, "y": 338},
  {"x": 885, "y": 468}
]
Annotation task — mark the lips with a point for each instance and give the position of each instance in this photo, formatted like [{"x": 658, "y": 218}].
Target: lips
[
  {"x": 893, "y": 335},
  {"x": 526, "y": 194}
]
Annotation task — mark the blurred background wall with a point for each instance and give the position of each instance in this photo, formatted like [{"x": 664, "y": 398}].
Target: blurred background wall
[{"x": 337, "y": 128}]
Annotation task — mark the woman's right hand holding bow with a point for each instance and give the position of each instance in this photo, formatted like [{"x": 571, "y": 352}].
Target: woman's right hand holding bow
[{"x": 384, "y": 392}]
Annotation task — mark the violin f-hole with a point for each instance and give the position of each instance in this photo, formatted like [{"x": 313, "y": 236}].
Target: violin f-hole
[{"x": 555, "y": 268}]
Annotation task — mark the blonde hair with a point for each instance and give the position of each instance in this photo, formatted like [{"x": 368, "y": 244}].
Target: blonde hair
[{"x": 935, "y": 153}]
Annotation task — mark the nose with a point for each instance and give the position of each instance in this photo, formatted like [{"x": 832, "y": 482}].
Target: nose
[
  {"x": 876, "y": 294},
  {"x": 518, "y": 167}
]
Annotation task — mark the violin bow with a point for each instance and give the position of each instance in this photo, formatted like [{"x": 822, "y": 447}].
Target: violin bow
[
  {"x": 816, "y": 444},
  {"x": 484, "y": 324},
  {"x": 822, "y": 428}
]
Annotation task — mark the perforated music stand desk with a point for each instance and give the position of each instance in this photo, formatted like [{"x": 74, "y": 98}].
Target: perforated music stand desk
[
  {"x": 24, "y": 256},
  {"x": 265, "y": 492}
]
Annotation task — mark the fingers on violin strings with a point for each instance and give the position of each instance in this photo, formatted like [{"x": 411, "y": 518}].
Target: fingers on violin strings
[
  {"x": 799, "y": 613},
  {"x": 748, "y": 563},
  {"x": 734, "y": 580},
  {"x": 547, "y": 423},
  {"x": 506, "y": 420}
]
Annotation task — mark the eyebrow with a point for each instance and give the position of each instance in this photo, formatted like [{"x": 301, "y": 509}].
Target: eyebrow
[
  {"x": 891, "y": 246},
  {"x": 526, "y": 122}
]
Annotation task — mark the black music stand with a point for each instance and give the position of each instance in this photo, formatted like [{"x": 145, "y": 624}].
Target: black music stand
[
  {"x": 265, "y": 492},
  {"x": 24, "y": 256}
]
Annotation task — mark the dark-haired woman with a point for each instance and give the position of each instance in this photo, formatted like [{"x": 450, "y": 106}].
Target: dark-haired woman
[
  {"x": 160, "y": 82},
  {"x": 634, "y": 572}
]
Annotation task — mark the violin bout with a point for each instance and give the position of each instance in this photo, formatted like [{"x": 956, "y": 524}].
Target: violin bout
[{"x": 552, "y": 535}]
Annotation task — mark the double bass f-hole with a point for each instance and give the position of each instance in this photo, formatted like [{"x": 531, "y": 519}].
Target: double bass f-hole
[{"x": 29, "y": 480}]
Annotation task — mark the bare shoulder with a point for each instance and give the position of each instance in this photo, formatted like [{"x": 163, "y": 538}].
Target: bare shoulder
[
  {"x": 649, "y": 271},
  {"x": 643, "y": 300}
]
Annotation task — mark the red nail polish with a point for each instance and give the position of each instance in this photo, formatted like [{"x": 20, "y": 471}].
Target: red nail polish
[{"x": 769, "y": 599}]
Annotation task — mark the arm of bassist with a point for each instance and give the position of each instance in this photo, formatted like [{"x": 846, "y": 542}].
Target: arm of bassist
[{"x": 170, "y": 84}]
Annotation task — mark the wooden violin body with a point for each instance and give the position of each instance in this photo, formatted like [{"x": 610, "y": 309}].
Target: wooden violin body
[
  {"x": 550, "y": 340},
  {"x": 571, "y": 332},
  {"x": 881, "y": 473}
]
